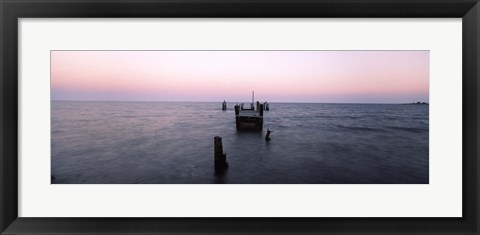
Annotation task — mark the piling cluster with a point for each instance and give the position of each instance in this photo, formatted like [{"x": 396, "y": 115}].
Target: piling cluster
[{"x": 265, "y": 106}]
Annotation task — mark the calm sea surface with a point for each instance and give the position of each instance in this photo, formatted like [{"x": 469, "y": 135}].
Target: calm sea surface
[{"x": 172, "y": 143}]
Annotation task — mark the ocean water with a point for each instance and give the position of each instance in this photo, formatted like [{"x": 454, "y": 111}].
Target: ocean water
[{"x": 172, "y": 143}]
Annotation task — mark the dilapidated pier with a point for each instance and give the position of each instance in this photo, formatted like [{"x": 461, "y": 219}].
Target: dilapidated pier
[{"x": 249, "y": 119}]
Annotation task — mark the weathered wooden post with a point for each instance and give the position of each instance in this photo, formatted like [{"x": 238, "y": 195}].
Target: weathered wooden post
[
  {"x": 237, "y": 110},
  {"x": 224, "y": 105},
  {"x": 221, "y": 163},
  {"x": 260, "y": 122},
  {"x": 267, "y": 137}
]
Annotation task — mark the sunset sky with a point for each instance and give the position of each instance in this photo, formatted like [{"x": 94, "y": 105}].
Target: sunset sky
[{"x": 275, "y": 76}]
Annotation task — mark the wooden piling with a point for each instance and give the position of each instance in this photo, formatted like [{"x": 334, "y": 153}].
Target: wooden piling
[
  {"x": 221, "y": 163},
  {"x": 267, "y": 137},
  {"x": 237, "y": 113},
  {"x": 265, "y": 106},
  {"x": 224, "y": 105},
  {"x": 237, "y": 110}
]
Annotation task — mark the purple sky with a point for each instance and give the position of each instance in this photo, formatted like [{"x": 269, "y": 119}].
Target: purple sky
[{"x": 276, "y": 76}]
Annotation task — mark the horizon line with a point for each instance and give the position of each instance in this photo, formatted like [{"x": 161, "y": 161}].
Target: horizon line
[{"x": 288, "y": 102}]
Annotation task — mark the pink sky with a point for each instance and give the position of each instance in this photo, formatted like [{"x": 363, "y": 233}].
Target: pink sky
[{"x": 276, "y": 76}]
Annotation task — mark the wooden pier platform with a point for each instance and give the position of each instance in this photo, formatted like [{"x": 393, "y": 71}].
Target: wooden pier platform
[{"x": 249, "y": 119}]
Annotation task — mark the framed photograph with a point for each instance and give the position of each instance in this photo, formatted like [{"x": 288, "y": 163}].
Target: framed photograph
[{"x": 239, "y": 117}]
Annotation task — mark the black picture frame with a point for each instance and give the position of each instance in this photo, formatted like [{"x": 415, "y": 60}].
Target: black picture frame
[{"x": 12, "y": 10}]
